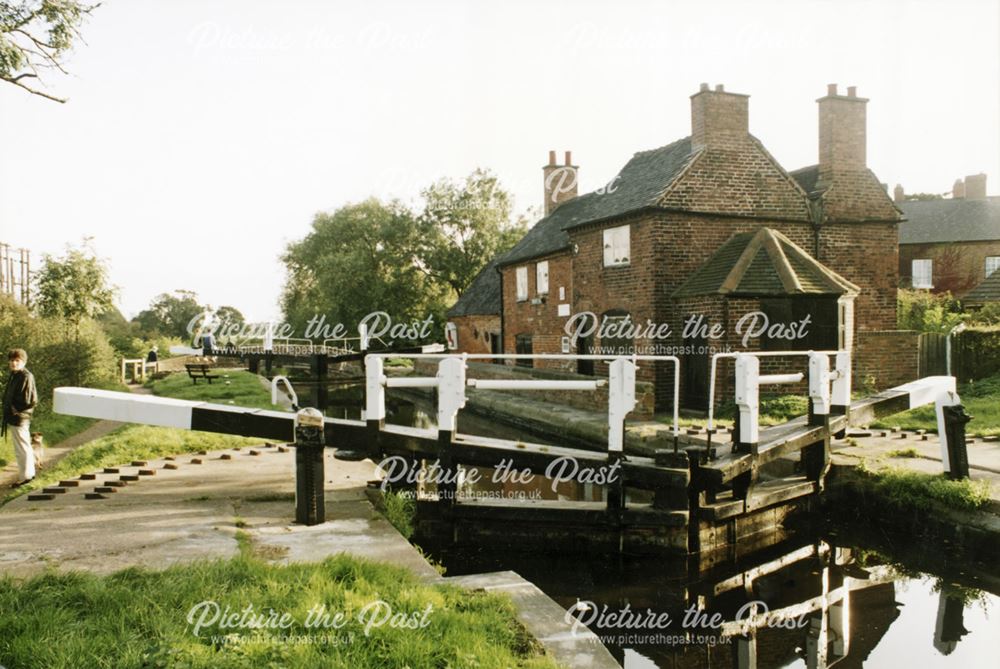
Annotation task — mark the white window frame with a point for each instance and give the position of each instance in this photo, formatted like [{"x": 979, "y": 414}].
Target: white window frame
[
  {"x": 922, "y": 272},
  {"x": 617, "y": 250},
  {"x": 521, "y": 281},
  {"x": 542, "y": 278},
  {"x": 992, "y": 264}
]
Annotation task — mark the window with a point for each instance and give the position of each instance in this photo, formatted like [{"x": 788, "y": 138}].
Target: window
[
  {"x": 992, "y": 264},
  {"x": 616, "y": 246},
  {"x": 522, "y": 283},
  {"x": 522, "y": 345},
  {"x": 922, "y": 273},
  {"x": 542, "y": 277}
]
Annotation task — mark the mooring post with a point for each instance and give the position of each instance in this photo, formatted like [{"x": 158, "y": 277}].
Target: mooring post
[
  {"x": 310, "y": 500},
  {"x": 951, "y": 419}
]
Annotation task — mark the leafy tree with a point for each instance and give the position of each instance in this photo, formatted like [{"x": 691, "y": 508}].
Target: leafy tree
[
  {"x": 74, "y": 286},
  {"x": 923, "y": 197},
  {"x": 34, "y": 37},
  {"x": 360, "y": 259},
  {"x": 463, "y": 226},
  {"x": 169, "y": 314}
]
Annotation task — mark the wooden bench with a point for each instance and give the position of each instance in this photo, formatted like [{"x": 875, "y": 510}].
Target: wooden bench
[{"x": 200, "y": 372}]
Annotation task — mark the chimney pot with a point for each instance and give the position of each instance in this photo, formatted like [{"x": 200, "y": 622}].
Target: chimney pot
[
  {"x": 559, "y": 182},
  {"x": 958, "y": 190},
  {"x": 703, "y": 87},
  {"x": 719, "y": 118},
  {"x": 720, "y": 88},
  {"x": 975, "y": 186},
  {"x": 842, "y": 132},
  {"x": 898, "y": 194},
  {"x": 852, "y": 91}
]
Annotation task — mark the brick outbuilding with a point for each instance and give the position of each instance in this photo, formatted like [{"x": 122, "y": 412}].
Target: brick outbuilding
[{"x": 604, "y": 271}]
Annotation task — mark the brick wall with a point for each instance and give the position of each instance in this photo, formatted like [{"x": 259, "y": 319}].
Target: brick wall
[
  {"x": 885, "y": 359},
  {"x": 474, "y": 332},
  {"x": 958, "y": 267},
  {"x": 541, "y": 320},
  {"x": 867, "y": 255}
]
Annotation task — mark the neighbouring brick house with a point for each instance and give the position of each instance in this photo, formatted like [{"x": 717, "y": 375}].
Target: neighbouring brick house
[
  {"x": 950, "y": 244},
  {"x": 707, "y": 225}
]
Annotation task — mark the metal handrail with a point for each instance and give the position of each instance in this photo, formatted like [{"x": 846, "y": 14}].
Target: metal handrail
[
  {"x": 555, "y": 356},
  {"x": 759, "y": 354}
]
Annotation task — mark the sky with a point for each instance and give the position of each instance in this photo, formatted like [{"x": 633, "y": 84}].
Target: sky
[{"x": 201, "y": 137}]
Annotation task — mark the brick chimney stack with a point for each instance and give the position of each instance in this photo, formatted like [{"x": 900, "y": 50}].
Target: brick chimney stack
[
  {"x": 842, "y": 133},
  {"x": 898, "y": 194},
  {"x": 719, "y": 119},
  {"x": 560, "y": 181},
  {"x": 975, "y": 187},
  {"x": 958, "y": 190}
]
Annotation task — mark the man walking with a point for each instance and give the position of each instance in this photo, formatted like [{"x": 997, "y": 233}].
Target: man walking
[{"x": 19, "y": 400}]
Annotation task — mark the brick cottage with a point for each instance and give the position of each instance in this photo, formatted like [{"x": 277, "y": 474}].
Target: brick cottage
[{"x": 709, "y": 226}]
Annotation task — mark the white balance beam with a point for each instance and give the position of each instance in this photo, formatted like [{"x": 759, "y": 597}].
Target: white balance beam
[{"x": 124, "y": 407}]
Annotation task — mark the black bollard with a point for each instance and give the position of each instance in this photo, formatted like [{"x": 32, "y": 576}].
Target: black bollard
[
  {"x": 310, "y": 498},
  {"x": 955, "y": 419}
]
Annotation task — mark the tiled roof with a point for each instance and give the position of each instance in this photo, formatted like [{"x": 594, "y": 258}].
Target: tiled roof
[
  {"x": 638, "y": 185},
  {"x": 762, "y": 263},
  {"x": 482, "y": 297},
  {"x": 958, "y": 220},
  {"x": 807, "y": 178},
  {"x": 987, "y": 291}
]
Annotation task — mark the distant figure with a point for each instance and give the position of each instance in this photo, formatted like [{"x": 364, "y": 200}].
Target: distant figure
[
  {"x": 152, "y": 359},
  {"x": 19, "y": 400},
  {"x": 207, "y": 343}
]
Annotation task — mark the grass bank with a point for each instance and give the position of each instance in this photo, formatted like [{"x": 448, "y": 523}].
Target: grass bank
[
  {"x": 233, "y": 387},
  {"x": 906, "y": 489},
  {"x": 137, "y": 619}
]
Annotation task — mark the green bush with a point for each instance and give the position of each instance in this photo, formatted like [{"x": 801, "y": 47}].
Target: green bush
[{"x": 928, "y": 312}]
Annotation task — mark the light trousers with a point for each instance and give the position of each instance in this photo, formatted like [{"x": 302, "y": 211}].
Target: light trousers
[{"x": 21, "y": 435}]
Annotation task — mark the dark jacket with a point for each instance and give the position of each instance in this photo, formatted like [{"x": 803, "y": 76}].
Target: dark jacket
[{"x": 19, "y": 399}]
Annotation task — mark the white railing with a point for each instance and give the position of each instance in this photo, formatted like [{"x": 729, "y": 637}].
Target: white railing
[
  {"x": 451, "y": 383},
  {"x": 843, "y": 376}
]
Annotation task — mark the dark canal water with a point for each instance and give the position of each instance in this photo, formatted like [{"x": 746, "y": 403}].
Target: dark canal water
[{"x": 838, "y": 595}]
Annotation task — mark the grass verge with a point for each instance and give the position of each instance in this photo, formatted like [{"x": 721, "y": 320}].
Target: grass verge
[
  {"x": 233, "y": 387},
  {"x": 138, "y": 618},
  {"x": 907, "y": 489},
  {"x": 400, "y": 510}
]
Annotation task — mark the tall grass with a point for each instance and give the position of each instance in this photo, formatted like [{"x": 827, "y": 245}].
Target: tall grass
[{"x": 137, "y": 619}]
